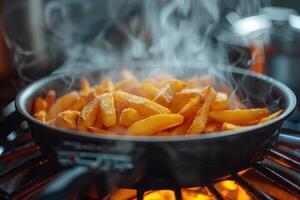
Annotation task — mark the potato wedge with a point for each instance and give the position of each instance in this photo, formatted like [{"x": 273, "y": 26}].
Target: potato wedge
[
  {"x": 183, "y": 97},
  {"x": 200, "y": 82},
  {"x": 98, "y": 130},
  {"x": 191, "y": 107},
  {"x": 212, "y": 127},
  {"x": 142, "y": 105},
  {"x": 238, "y": 116},
  {"x": 129, "y": 116},
  {"x": 108, "y": 112},
  {"x": 88, "y": 115},
  {"x": 147, "y": 90},
  {"x": 270, "y": 117},
  {"x": 230, "y": 127},
  {"x": 51, "y": 98},
  {"x": 78, "y": 104},
  {"x": 67, "y": 119},
  {"x": 182, "y": 128},
  {"x": 39, "y": 105},
  {"x": 107, "y": 85},
  {"x": 63, "y": 103},
  {"x": 126, "y": 85},
  {"x": 85, "y": 86},
  {"x": 118, "y": 129},
  {"x": 201, "y": 117},
  {"x": 41, "y": 116},
  {"x": 221, "y": 102},
  {"x": 154, "y": 124},
  {"x": 165, "y": 96}
]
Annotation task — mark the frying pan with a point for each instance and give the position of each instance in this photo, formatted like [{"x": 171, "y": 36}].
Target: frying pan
[{"x": 154, "y": 160}]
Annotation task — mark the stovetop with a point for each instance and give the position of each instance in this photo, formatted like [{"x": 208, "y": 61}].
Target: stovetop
[{"x": 25, "y": 171}]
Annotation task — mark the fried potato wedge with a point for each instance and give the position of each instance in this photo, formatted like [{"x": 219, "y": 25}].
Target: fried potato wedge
[
  {"x": 183, "y": 97},
  {"x": 270, "y": 117},
  {"x": 238, "y": 116},
  {"x": 108, "y": 112},
  {"x": 147, "y": 90},
  {"x": 88, "y": 115},
  {"x": 191, "y": 107},
  {"x": 39, "y": 105},
  {"x": 200, "y": 82},
  {"x": 230, "y": 127},
  {"x": 41, "y": 116},
  {"x": 85, "y": 86},
  {"x": 118, "y": 129},
  {"x": 98, "y": 130},
  {"x": 142, "y": 105},
  {"x": 63, "y": 103},
  {"x": 107, "y": 85},
  {"x": 221, "y": 102},
  {"x": 212, "y": 127},
  {"x": 154, "y": 124},
  {"x": 66, "y": 119},
  {"x": 51, "y": 98},
  {"x": 182, "y": 128},
  {"x": 129, "y": 116},
  {"x": 201, "y": 117},
  {"x": 126, "y": 85}
]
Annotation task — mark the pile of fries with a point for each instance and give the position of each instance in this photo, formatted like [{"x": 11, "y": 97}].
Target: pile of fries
[{"x": 161, "y": 105}]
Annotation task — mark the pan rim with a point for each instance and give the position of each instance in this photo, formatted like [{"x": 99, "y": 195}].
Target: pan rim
[{"x": 291, "y": 105}]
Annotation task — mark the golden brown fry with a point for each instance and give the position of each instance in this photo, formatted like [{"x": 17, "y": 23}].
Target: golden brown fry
[
  {"x": 230, "y": 127},
  {"x": 98, "y": 122},
  {"x": 118, "y": 129},
  {"x": 154, "y": 124},
  {"x": 63, "y": 103},
  {"x": 85, "y": 86},
  {"x": 41, "y": 116},
  {"x": 78, "y": 104},
  {"x": 142, "y": 105},
  {"x": 238, "y": 116},
  {"x": 270, "y": 117},
  {"x": 183, "y": 97},
  {"x": 108, "y": 112},
  {"x": 147, "y": 90},
  {"x": 66, "y": 119},
  {"x": 165, "y": 96},
  {"x": 126, "y": 85},
  {"x": 98, "y": 89},
  {"x": 107, "y": 85},
  {"x": 129, "y": 116},
  {"x": 98, "y": 130},
  {"x": 183, "y": 128},
  {"x": 91, "y": 96},
  {"x": 51, "y": 98},
  {"x": 202, "y": 81},
  {"x": 201, "y": 117},
  {"x": 39, "y": 105},
  {"x": 191, "y": 107},
  {"x": 221, "y": 102},
  {"x": 88, "y": 115},
  {"x": 212, "y": 127}
]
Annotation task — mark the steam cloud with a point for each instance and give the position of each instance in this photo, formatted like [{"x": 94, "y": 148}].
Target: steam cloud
[{"x": 98, "y": 33}]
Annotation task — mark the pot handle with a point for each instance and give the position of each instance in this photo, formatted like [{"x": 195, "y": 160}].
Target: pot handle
[
  {"x": 79, "y": 179},
  {"x": 11, "y": 121}
]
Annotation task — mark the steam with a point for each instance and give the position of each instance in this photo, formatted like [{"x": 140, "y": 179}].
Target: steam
[{"x": 89, "y": 34}]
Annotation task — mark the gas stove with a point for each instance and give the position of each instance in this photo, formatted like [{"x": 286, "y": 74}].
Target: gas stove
[{"x": 26, "y": 172}]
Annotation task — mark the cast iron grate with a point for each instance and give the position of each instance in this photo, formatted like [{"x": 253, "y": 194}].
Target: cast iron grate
[{"x": 21, "y": 158}]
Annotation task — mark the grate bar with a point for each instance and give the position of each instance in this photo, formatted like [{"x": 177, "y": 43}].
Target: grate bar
[
  {"x": 285, "y": 158},
  {"x": 7, "y": 175},
  {"x": 251, "y": 189},
  {"x": 19, "y": 153},
  {"x": 270, "y": 174},
  {"x": 140, "y": 194},
  {"x": 177, "y": 193},
  {"x": 215, "y": 192},
  {"x": 289, "y": 140}
]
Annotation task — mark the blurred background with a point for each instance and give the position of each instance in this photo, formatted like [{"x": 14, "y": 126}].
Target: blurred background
[{"x": 39, "y": 36}]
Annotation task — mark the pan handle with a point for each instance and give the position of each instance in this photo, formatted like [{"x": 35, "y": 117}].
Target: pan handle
[
  {"x": 79, "y": 179},
  {"x": 11, "y": 121}
]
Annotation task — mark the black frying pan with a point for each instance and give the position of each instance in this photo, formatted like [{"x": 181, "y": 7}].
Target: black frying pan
[{"x": 184, "y": 160}]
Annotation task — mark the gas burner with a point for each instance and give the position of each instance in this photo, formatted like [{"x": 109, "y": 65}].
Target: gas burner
[{"x": 26, "y": 171}]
